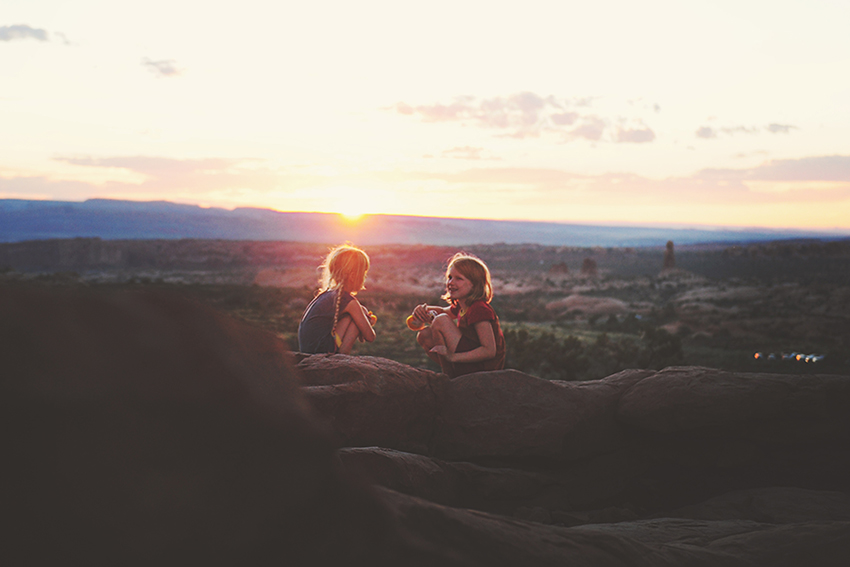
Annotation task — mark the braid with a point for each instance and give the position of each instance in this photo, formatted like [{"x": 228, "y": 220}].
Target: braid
[{"x": 336, "y": 311}]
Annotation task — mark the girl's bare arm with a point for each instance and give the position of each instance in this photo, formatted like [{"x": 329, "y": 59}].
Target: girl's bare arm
[
  {"x": 486, "y": 351},
  {"x": 359, "y": 317},
  {"x": 422, "y": 311}
]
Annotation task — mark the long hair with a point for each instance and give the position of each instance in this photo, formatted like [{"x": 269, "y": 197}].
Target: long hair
[
  {"x": 475, "y": 270},
  {"x": 344, "y": 269}
]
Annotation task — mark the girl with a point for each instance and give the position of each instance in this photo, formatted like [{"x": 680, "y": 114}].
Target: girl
[
  {"x": 464, "y": 337},
  {"x": 334, "y": 320}
]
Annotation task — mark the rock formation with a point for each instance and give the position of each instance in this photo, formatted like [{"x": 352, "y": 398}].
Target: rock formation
[
  {"x": 559, "y": 269},
  {"x": 752, "y": 460},
  {"x": 588, "y": 267},
  {"x": 669, "y": 258},
  {"x": 145, "y": 429}
]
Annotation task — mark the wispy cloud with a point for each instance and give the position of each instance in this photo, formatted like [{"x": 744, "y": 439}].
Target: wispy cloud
[
  {"x": 22, "y": 31},
  {"x": 529, "y": 115},
  {"x": 795, "y": 177},
  {"x": 780, "y": 128},
  {"x": 163, "y": 67},
  {"x": 188, "y": 176},
  {"x": 706, "y": 132},
  {"x": 591, "y": 128},
  {"x": 822, "y": 168},
  {"x": 709, "y": 132},
  {"x": 732, "y": 130},
  {"x": 467, "y": 152},
  {"x": 635, "y": 136}
]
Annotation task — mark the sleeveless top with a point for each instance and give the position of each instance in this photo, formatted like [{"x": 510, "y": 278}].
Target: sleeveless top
[{"x": 314, "y": 331}]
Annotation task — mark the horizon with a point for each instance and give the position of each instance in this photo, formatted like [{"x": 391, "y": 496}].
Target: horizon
[
  {"x": 24, "y": 220},
  {"x": 610, "y": 114},
  {"x": 356, "y": 218}
]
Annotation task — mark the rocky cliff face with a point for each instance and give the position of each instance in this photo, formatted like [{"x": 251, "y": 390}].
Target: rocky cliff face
[{"x": 142, "y": 429}]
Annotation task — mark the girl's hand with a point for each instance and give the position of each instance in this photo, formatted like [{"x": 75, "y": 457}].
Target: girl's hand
[{"x": 421, "y": 312}]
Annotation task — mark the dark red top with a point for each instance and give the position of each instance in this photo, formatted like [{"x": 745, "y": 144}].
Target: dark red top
[{"x": 479, "y": 311}]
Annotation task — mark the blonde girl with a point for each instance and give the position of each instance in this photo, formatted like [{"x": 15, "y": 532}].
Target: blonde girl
[
  {"x": 335, "y": 320},
  {"x": 465, "y": 336}
]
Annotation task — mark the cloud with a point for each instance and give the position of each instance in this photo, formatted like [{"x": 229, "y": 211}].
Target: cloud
[
  {"x": 706, "y": 132},
  {"x": 162, "y": 68},
  {"x": 592, "y": 128},
  {"x": 526, "y": 115},
  {"x": 732, "y": 130},
  {"x": 156, "y": 166},
  {"x": 780, "y": 128},
  {"x": 188, "y": 176},
  {"x": 564, "y": 118},
  {"x": 466, "y": 152},
  {"x": 635, "y": 136},
  {"x": 822, "y": 168},
  {"x": 22, "y": 31},
  {"x": 776, "y": 181}
]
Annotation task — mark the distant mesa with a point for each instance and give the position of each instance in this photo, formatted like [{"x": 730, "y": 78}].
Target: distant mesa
[
  {"x": 589, "y": 267},
  {"x": 669, "y": 257},
  {"x": 559, "y": 268},
  {"x": 22, "y": 220}
]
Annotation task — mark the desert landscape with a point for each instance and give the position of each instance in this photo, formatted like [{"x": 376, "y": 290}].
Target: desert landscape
[{"x": 569, "y": 313}]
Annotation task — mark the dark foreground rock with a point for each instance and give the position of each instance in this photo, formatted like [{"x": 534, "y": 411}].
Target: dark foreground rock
[
  {"x": 142, "y": 429},
  {"x": 749, "y": 468}
]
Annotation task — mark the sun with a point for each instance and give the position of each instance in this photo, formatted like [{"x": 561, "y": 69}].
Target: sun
[{"x": 351, "y": 216}]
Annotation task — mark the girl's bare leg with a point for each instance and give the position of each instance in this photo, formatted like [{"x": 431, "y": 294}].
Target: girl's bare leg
[
  {"x": 428, "y": 339},
  {"x": 442, "y": 331},
  {"x": 348, "y": 332}
]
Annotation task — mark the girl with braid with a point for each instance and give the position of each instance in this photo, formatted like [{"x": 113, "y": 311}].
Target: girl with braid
[{"x": 335, "y": 320}]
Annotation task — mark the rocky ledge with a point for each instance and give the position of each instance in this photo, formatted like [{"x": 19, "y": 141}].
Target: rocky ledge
[{"x": 142, "y": 429}]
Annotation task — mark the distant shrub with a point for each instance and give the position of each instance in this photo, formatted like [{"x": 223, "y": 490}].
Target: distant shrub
[{"x": 549, "y": 357}]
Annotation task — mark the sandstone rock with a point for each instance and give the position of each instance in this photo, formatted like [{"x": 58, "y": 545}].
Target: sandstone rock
[
  {"x": 374, "y": 401},
  {"x": 465, "y": 537},
  {"x": 589, "y": 268},
  {"x": 144, "y": 429},
  {"x": 559, "y": 269},
  {"x": 511, "y": 414},
  {"x": 669, "y": 256},
  {"x": 772, "y": 505}
]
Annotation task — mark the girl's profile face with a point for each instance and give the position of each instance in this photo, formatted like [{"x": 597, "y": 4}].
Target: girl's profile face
[{"x": 458, "y": 286}]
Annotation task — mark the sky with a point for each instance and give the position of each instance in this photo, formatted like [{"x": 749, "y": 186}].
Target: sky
[{"x": 722, "y": 113}]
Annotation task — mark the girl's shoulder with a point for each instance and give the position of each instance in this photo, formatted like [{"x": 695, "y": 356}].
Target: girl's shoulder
[{"x": 480, "y": 311}]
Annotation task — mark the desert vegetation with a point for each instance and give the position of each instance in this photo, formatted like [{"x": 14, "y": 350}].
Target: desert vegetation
[{"x": 717, "y": 307}]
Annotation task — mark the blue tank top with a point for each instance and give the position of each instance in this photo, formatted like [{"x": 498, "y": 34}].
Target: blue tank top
[{"x": 314, "y": 331}]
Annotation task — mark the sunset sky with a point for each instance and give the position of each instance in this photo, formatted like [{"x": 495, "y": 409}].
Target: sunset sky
[{"x": 733, "y": 113}]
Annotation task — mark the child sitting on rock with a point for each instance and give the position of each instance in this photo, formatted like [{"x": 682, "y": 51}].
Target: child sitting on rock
[
  {"x": 335, "y": 320},
  {"x": 464, "y": 337}
]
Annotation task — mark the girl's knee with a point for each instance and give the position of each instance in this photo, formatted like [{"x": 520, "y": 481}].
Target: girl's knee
[{"x": 425, "y": 338}]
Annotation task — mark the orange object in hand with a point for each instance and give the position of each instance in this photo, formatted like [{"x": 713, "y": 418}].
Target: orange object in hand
[
  {"x": 414, "y": 324},
  {"x": 372, "y": 318}
]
